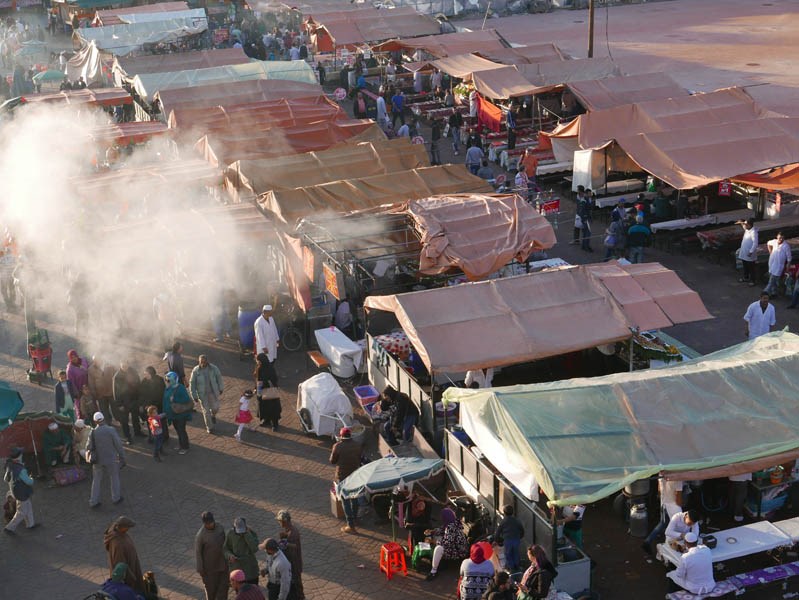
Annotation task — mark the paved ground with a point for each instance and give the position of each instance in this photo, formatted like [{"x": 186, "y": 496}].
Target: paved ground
[
  {"x": 703, "y": 45},
  {"x": 65, "y": 558}
]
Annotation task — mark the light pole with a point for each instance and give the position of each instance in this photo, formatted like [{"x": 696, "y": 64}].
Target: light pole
[{"x": 590, "y": 28}]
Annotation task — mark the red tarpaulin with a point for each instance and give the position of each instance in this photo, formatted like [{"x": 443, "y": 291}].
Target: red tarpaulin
[
  {"x": 782, "y": 178},
  {"x": 488, "y": 115}
]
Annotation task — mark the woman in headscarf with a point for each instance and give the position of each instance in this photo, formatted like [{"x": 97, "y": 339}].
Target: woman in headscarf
[
  {"x": 177, "y": 406},
  {"x": 538, "y": 577},
  {"x": 451, "y": 541}
]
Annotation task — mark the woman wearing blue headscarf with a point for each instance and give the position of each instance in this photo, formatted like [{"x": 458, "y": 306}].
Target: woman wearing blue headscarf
[{"x": 178, "y": 406}]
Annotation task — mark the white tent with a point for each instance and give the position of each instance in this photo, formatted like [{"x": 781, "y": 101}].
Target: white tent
[{"x": 124, "y": 39}]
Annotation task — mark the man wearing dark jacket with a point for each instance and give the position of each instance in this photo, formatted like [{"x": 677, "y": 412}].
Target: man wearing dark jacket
[
  {"x": 346, "y": 455},
  {"x": 639, "y": 237},
  {"x": 209, "y": 551},
  {"x": 435, "y": 138},
  {"x": 126, "y": 400}
]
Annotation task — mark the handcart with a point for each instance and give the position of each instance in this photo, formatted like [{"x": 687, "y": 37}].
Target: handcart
[{"x": 41, "y": 354}]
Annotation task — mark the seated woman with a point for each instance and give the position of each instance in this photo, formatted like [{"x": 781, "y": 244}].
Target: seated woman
[
  {"x": 538, "y": 577},
  {"x": 450, "y": 540}
]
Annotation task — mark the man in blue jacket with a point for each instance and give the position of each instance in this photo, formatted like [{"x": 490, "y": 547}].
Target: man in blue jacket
[{"x": 638, "y": 237}]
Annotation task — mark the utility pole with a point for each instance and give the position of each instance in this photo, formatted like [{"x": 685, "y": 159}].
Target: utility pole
[{"x": 590, "y": 28}]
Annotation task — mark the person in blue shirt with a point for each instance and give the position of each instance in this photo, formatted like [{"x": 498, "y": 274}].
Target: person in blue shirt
[
  {"x": 638, "y": 237},
  {"x": 397, "y": 108}
]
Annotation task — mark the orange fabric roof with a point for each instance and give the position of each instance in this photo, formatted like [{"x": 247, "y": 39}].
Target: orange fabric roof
[
  {"x": 239, "y": 92},
  {"x": 135, "y": 132},
  {"x": 683, "y": 112},
  {"x": 781, "y": 178},
  {"x": 99, "y": 97},
  {"x": 253, "y": 177},
  {"x": 449, "y": 44},
  {"x": 626, "y": 89},
  {"x": 275, "y": 113},
  {"x": 477, "y": 233},
  {"x": 522, "y": 79},
  {"x": 224, "y": 149},
  {"x": 354, "y": 28},
  {"x": 688, "y": 158},
  {"x": 370, "y": 192},
  {"x": 534, "y": 53},
  {"x": 520, "y": 319}
]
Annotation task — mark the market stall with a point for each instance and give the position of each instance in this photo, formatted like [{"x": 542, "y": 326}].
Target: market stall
[
  {"x": 126, "y": 38},
  {"x": 526, "y": 318},
  {"x": 252, "y": 90},
  {"x": 370, "y": 192},
  {"x": 246, "y": 179},
  {"x": 125, "y": 68},
  {"x": 222, "y": 148},
  {"x": 147, "y": 84}
]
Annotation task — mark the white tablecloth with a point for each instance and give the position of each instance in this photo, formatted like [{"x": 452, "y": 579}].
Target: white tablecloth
[
  {"x": 730, "y": 216},
  {"x": 789, "y": 527},
  {"x": 344, "y": 355},
  {"x": 748, "y": 539}
]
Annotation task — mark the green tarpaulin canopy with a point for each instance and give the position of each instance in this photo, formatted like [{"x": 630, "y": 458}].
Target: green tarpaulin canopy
[
  {"x": 733, "y": 411},
  {"x": 10, "y": 404}
]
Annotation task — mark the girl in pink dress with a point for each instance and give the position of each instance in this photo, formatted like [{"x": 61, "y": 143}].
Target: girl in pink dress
[{"x": 244, "y": 416}]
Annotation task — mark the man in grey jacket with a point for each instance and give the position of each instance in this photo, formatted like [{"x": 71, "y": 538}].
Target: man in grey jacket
[
  {"x": 211, "y": 564},
  {"x": 278, "y": 571},
  {"x": 108, "y": 456},
  {"x": 206, "y": 387}
]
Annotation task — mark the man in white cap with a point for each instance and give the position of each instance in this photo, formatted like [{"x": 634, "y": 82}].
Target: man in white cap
[
  {"x": 107, "y": 456},
  {"x": 57, "y": 445},
  {"x": 267, "y": 340},
  {"x": 695, "y": 571}
]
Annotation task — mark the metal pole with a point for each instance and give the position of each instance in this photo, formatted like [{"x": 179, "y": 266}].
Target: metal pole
[
  {"x": 590, "y": 28},
  {"x": 632, "y": 345},
  {"x": 485, "y": 18}
]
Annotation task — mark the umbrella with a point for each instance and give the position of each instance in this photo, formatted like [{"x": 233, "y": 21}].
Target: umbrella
[
  {"x": 10, "y": 405},
  {"x": 50, "y": 75},
  {"x": 384, "y": 474}
]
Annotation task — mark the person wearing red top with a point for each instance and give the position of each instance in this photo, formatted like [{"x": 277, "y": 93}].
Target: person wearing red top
[{"x": 155, "y": 424}]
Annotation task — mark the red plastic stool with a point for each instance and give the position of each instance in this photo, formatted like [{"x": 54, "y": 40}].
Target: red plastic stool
[{"x": 392, "y": 559}]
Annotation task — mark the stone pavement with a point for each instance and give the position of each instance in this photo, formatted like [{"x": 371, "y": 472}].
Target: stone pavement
[{"x": 254, "y": 479}]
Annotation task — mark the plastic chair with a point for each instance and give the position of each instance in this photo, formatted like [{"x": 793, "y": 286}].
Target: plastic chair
[{"x": 392, "y": 559}]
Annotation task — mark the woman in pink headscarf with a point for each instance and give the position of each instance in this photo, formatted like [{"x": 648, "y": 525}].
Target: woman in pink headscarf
[{"x": 78, "y": 376}]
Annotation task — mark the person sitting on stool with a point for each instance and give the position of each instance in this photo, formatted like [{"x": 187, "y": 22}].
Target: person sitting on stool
[{"x": 695, "y": 571}]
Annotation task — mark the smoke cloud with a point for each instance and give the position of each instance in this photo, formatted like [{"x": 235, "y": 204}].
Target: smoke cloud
[{"x": 111, "y": 242}]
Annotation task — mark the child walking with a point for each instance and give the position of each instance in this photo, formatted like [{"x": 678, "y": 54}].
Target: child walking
[
  {"x": 244, "y": 417},
  {"x": 156, "y": 427}
]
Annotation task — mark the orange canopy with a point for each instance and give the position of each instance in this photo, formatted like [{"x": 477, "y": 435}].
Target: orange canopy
[
  {"x": 520, "y": 319},
  {"x": 596, "y": 93},
  {"x": 449, "y": 44},
  {"x": 477, "y": 233},
  {"x": 122, "y": 134},
  {"x": 781, "y": 178},
  {"x": 370, "y": 192},
  {"x": 238, "y": 92},
  {"x": 222, "y": 149},
  {"x": 256, "y": 115}
]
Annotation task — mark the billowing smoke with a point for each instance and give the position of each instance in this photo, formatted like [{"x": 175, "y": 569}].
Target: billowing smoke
[{"x": 121, "y": 245}]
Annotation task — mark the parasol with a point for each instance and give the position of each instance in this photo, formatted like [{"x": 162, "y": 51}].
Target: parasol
[
  {"x": 10, "y": 404},
  {"x": 386, "y": 473}
]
